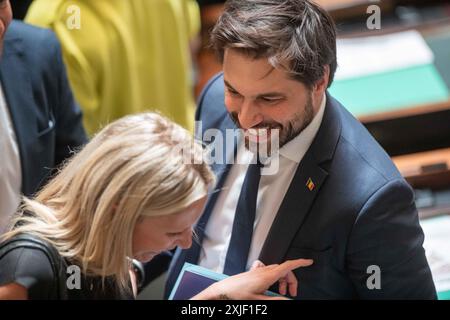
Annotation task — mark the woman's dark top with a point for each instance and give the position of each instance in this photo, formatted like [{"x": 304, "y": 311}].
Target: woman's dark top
[{"x": 32, "y": 269}]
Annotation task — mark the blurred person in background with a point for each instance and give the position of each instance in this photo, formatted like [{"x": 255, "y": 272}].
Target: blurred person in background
[
  {"x": 20, "y": 8},
  {"x": 124, "y": 57},
  {"x": 40, "y": 122}
]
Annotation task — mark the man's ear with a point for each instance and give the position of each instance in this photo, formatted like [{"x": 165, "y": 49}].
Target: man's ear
[{"x": 321, "y": 85}]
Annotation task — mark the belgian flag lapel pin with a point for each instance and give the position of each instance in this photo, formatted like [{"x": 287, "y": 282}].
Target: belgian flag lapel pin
[{"x": 310, "y": 185}]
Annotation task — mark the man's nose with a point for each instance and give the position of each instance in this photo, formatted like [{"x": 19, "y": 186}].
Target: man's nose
[{"x": 249, "y": 115}]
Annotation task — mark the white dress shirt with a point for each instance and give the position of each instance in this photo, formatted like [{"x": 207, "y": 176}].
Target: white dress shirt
[
  {"x": 271, "y": 192},
  {"x": 10, "y": 169}
]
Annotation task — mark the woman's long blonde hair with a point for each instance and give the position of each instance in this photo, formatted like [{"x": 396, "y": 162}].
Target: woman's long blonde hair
[{"x": 88, "y": 211}]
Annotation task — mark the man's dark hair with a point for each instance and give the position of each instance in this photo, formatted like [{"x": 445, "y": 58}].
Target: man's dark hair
[{"x": 296, "y": 35}]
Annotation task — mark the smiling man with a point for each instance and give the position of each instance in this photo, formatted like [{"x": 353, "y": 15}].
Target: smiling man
[
  {"x": 337, "y": 198},
  {"x": 267, "y": 99}
]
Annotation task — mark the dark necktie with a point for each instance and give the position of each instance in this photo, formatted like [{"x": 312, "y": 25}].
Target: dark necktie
[{"x": 244, "y": 218}]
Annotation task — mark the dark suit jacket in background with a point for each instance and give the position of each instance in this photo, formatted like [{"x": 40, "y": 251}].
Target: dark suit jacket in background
[
  {"x": 20, "y": 8},
  {"x": 46, "y": 119},
  {"x": 361, "y": 213}
]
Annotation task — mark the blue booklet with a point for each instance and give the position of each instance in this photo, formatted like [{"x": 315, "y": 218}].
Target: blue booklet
[{"x": 193, "y": 279}]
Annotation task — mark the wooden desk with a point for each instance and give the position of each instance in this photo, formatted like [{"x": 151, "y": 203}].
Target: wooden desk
[
  {"x": 429, "y": 169},
  {"x": 344, "y": 9}
]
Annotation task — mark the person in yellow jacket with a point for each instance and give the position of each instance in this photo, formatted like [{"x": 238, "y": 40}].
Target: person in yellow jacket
[{"x": 125, "y": 57}]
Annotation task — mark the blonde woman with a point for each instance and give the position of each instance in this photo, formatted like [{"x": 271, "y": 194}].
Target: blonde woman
[{"x": 126, "y": 195}]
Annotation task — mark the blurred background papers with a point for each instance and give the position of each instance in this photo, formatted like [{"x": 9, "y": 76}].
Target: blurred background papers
[
  {"x": 437, "y": 248},
  {"x": 383, "y": 73},
  {"x": 358, "y": 57}
]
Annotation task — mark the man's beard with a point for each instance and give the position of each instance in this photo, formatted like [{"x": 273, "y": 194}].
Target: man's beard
[{"x": 285, "y": 132}]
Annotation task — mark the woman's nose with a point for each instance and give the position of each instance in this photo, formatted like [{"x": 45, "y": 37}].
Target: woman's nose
[{"x": 185, "y": 241}]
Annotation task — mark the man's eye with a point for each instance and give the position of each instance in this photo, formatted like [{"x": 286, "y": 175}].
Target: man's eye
[
  {"x": 270, "y": 100},
  {"x": 232, "y": 92}
]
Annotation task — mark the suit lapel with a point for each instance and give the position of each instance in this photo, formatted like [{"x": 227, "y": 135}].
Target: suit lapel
[
  {"x": 308, "y": 179},
  {"x": 18, "y": 93},
  {"x": 293, "y": 210}
]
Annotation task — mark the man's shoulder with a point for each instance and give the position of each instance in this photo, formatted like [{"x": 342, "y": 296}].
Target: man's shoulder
[
  {"x": 34, "y": 39},
  {"x": 360, "y": 171},
  {"x": 360, "y": 150},
  {"x": 38, "y": 48},
  {"x": 214, "y": 86},
  {"x": 211, "y": 105}
]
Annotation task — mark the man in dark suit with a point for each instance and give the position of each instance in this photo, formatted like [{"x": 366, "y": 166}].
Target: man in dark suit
[
  {"x": 40, "y": 123},
  {"x": 336, "y": 197}
]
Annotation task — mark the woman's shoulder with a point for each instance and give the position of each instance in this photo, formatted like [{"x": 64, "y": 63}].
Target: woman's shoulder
[{"x": 25, "y": 260}]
